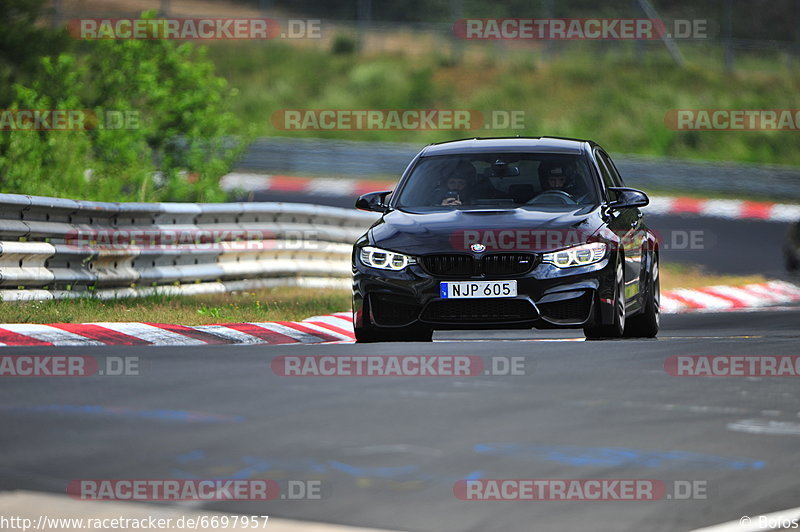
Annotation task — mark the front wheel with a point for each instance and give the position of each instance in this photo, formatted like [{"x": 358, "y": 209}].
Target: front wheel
[
  {"x": 366, "y": 335},
  {"x": 646, "y": 324},
  {"x": 617, "y": 328}
]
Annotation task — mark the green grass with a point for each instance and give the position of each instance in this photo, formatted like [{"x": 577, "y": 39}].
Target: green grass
[
  {"x": 284, "y": 303},
  {"x": 608, "y": 97},
  {"x": 275, "y": 304},
  {"x": 674, "y": 276}
]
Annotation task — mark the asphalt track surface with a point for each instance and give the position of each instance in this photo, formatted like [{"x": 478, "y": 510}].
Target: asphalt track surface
[
  {"x": 720, "y": 245},
  {"x": 388, "y": 450}
]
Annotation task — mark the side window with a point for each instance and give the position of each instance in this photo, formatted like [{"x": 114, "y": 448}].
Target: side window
[
  {"x": 608, "y": 179},
  {"x": 613, "y": 170}
]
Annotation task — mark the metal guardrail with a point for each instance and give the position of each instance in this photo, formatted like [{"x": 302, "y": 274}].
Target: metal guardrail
[
  {"x": 53, "y": 248},
  {"x": 323, "y": 157}
]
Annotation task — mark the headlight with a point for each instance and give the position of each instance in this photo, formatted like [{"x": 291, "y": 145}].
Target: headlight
[
  {"x": 384, "y": 260},
  {"x": 577, "y": 256}
]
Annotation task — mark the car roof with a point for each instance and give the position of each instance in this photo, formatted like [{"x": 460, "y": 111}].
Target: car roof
[{"x": 509, "y": 144}]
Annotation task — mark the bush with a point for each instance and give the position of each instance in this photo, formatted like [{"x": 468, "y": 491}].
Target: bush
[
  {"x": 344, "y": 45},
  {"x": 178, "y": 144}
]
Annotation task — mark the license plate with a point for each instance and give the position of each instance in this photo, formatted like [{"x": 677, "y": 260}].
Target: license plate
[{"x": 477, "y": 289}]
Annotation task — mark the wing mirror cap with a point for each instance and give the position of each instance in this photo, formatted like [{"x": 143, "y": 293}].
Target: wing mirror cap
[
  {"x": 373, "y": 201},
  {"x": 628, "y": 198}
]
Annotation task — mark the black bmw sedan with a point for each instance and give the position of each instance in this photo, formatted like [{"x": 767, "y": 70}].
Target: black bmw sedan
[{"x": 502, "y": 233}]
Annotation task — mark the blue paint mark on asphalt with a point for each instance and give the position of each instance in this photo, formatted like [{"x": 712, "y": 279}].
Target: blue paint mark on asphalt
[
  {"x": 255, "y": 467},
  {"x": 195, "y": 464},
  {"x": 306, "y": 464},
  {"x": 374, "y": 472},
  {"x": 618, "y": 456},
  {"x": 474, "y": 475},
  {"x": 197, "y": 454},
  {"x": 182, "y": 416}
]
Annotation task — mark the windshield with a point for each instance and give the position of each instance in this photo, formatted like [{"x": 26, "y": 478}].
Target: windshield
[{"x": 505, "y": 180}]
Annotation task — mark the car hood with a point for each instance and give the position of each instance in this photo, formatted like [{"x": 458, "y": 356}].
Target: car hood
[{"x": 498, "y": 230}]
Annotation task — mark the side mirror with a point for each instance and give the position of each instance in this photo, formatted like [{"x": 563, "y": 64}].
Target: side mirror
[
  {"x": 373, "y": 201},
  {"x": 628, "y": 198}
]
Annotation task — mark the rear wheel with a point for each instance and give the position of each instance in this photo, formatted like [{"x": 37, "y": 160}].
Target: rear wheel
[
  {"x": 790, "y": 260},
  {"x": 617, "y": 328},
  {"x": 646, "y": 324}
]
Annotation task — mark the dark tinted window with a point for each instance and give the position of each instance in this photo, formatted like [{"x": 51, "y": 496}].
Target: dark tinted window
[
  {"x": 608, "y": 173},
  {"x": 615, "y": 175},
  {"x": 506, "y": 180}
]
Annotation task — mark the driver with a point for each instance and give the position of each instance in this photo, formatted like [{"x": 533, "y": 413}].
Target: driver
[
  {"x": 556, "y": 175},
  {"x": 459, "y": 183}
]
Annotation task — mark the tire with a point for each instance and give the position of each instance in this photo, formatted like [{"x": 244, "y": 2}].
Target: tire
[
  {"x": 366, "y": 335},
  {"x": 616, "y": 329},
  {"x": 790, "y": 260},
  {"x": 791, "y": 248},
  {"x": 646, "y": 324}
]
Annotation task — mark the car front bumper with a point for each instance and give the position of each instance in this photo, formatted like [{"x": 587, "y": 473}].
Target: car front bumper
[{"x": 548, "y": 297}]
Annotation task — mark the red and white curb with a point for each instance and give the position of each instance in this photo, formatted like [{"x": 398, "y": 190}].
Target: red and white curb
[
  {"x": 323, "y": 186},
  {"x": 729, "y": 209},
  {"x": 726, "y": 298},
  {"x": 338, "y": 327},
  {"x": 318, "y": 329},
  {"x": 314, "y": 186}
]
